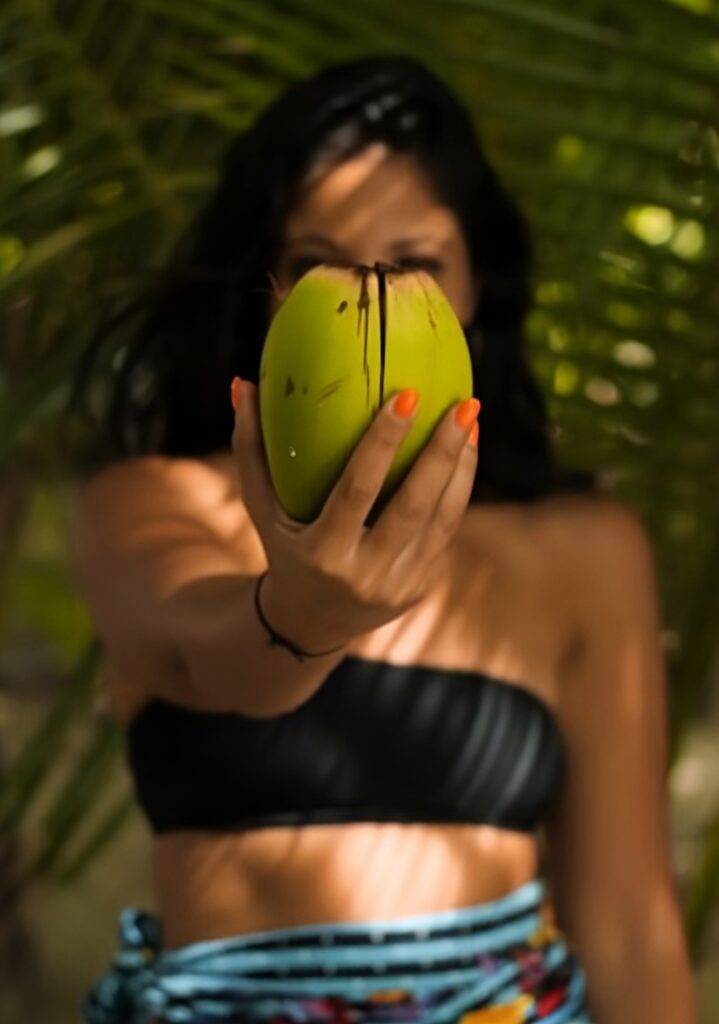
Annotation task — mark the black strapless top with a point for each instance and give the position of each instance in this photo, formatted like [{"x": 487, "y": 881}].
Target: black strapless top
[{"x": 376, "y": 742}]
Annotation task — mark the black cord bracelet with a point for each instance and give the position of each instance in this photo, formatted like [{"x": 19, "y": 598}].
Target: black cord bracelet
[{"x": 275, "y": 637}]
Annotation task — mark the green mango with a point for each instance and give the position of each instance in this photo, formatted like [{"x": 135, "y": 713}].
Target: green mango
[{"x": 341, "y": 343}]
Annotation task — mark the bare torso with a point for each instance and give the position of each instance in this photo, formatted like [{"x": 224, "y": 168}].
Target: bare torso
[{"x": 504, "y": 617}]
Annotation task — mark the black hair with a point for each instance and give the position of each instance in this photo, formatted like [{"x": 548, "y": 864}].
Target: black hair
[{"x": 205, "y": 317}]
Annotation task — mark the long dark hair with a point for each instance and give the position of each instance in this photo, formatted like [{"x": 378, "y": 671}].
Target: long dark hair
[{"x": 206, "y": 316}]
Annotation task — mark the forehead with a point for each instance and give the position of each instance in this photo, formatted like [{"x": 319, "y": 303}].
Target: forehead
[{"x": 375, "y": 192}]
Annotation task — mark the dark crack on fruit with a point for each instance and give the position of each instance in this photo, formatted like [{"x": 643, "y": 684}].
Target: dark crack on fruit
[
  {"x": 289, "y": 386},
  {"x": 363, "y": 305},
  {"x": 381, "y": 270}
]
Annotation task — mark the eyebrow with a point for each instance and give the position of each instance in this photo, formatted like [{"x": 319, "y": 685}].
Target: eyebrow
[
  {"x": 321, "y": 239},
  {"x": 399, "y": 243}
]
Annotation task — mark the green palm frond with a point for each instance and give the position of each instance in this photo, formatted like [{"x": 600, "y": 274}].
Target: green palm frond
[
  {"x": 602, "y": 120},
  {"x": 31, "y": 767},
  {"x": 704, "y": 892}
]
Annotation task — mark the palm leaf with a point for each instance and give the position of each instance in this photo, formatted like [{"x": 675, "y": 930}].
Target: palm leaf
[{"x": 31, "y": 767}]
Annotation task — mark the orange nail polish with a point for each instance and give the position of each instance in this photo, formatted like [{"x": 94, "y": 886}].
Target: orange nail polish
[
  {"x": 473, "y": 435},
  {"x": 405, "y": 402},
  {"x": 235, "y": 392},
  {"x": 467, "y": 413}
]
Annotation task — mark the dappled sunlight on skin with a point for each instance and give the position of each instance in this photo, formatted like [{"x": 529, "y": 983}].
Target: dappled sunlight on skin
[
  {"x": 361, "y": 871},
  {"x": 213, "y": 885},
  {"x": 218, "y": 884},
  {"x": 412, "y": 639},
  {"x": 404, "y": 853}
]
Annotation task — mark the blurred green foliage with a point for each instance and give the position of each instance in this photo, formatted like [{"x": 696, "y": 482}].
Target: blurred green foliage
[{"x": 602, "y": 120}]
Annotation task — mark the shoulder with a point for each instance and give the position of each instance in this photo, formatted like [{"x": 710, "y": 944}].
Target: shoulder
[
  {"x": 592, "y": 527},
  {"x": 144, "y": 489},
  {"x": 150, "y": 477},
  {"x": 140, "y": 508},
  {"x": 567, "y": 537},
  {"x": 601, "y": 559}
]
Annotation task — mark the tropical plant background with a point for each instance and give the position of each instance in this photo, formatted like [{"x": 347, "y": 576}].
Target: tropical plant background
[{"x": 601, "y": 116}]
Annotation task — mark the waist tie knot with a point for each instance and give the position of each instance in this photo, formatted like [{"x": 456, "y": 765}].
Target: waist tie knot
[{"x": 129, "y": 991}]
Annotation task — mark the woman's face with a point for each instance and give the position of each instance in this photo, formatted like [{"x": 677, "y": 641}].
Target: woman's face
[{"x": 376, "y": 205}]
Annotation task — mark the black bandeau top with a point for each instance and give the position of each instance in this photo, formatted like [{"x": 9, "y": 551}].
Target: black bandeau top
[{"x": 376, "y": 742}]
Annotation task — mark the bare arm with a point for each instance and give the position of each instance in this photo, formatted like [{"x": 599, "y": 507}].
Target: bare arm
[
  {"x": 173, "y": 595},
  {"x": 609, "y": 856},
  {"x": 164, "y": 581}
]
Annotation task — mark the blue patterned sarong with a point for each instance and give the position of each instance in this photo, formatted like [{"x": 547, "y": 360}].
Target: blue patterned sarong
[{"x": 499, "y": 962}]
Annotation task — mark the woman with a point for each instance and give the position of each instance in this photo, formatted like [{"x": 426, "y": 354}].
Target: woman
[{"x": 351, "y": 741}]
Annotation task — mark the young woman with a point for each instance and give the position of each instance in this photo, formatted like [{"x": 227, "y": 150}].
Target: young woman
[{"x": 413, "y": 771}]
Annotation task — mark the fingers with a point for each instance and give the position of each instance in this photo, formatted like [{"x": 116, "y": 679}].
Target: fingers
[
  {"x": 452, "y": 505},
  {"x": 354, "y": 494},
  {"x": 417, "y": 500}
]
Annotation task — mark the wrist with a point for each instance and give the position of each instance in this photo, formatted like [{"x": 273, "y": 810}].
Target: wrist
[{"x": 281, "y": 617}]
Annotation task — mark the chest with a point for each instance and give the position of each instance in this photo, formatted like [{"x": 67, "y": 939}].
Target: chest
[{"x": 501, "y": 616}]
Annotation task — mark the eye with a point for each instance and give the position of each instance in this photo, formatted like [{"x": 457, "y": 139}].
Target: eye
[
  {"x": 427, "y": 263},
  {"x": 301, "y": 266}
]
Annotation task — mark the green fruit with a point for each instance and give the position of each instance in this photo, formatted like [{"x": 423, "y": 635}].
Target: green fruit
[{"x": 343, "y": 341}]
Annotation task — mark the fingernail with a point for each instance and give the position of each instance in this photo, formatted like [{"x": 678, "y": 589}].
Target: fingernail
[
  {"x": 467, "y": 413},
  {"x": 235, "y": 392},
  {"x": 473, "y": 435},
  {"x": 405, "y": 403}
]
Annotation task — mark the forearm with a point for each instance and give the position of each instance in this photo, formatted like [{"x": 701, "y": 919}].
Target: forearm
[
  {"x": 228, "y": 660},
  {"x": 642, "y": 983}
]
